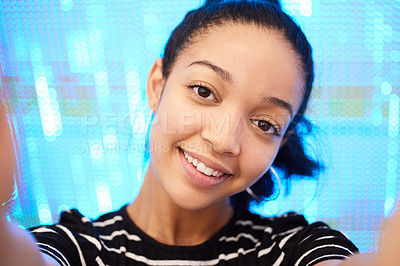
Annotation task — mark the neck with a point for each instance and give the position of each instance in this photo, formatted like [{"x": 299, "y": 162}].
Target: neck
[{"x": 163, "y": 220}]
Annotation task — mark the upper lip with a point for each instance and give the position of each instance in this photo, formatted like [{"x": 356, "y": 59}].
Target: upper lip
[{"x": 209, "y": 162}]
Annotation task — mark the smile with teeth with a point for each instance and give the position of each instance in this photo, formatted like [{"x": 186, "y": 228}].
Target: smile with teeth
[{"x": 201, "y": 167}]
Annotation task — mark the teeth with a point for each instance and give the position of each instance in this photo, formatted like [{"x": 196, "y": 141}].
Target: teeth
[
  {"x": 208, "y": 171},
  {"x": 201, "y": 167}
]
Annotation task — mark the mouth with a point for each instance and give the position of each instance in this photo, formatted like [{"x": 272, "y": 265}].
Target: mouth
[{"x": 199, "y": 173}]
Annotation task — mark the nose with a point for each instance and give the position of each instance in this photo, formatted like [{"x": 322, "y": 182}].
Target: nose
[{"x": 223, "y": 132}]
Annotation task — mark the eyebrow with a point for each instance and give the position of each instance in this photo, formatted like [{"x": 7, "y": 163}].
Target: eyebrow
[
  {"x": 278, "y": 102},
  {"x": 225, "y": 75}
]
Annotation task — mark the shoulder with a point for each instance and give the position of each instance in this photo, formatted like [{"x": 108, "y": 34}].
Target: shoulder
[
  {"x": 298, "y": 242},
  {"x": 76, "y": 238}
]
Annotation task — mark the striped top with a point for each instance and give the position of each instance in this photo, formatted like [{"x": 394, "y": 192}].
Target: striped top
[{"x": 247, "y": 239}]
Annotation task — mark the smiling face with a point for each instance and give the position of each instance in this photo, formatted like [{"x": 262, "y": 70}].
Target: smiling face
[{"x": 221, "y": 114}]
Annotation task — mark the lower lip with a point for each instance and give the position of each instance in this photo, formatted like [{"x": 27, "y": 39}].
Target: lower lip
[{"x": 199, "y": 178}]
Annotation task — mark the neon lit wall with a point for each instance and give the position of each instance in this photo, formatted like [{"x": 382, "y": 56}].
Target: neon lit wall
[{"x": 75, "y": 72}]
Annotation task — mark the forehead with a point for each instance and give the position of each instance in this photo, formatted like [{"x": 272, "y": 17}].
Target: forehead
[{"x": 258, "y": 59}]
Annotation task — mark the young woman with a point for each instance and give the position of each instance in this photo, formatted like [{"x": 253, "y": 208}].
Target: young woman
[{"x": 228, "y": 98}]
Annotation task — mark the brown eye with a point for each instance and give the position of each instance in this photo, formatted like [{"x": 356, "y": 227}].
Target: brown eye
[
  {"x": 267, "y": 127},
  {"x": 204, "y": 92},
  {"x": 264, "y": 125}
]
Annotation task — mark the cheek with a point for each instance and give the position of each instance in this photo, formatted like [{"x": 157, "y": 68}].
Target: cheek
[
  {"x": 175, "y": 118},
  {"x": 257, "y": 159}
]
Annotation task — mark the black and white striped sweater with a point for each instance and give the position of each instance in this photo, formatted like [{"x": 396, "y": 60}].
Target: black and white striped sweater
[{"x": 248, "y": 239}]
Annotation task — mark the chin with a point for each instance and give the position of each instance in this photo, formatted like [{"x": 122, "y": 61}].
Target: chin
[{"x": 196, "y": 201}]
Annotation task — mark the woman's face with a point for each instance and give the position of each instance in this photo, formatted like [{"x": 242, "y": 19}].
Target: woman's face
[{"x": 225, "y": 107}]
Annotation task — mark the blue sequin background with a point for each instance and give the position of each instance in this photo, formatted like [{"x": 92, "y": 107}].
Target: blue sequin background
[{"x": 75, "y": 74}]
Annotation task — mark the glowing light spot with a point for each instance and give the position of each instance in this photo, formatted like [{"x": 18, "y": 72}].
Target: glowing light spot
[
  {"x": 387, "y": 30},
  {"x": 82, "y": 53},
  {"x": 306, "y": 8},
  {"x": 395, "y": 35},
  {"x": 393, "y": 108},
  {"x": 378, "y": 56},
  {"x": 36, "y": 53},
  {"x": 376, "y": 116},
  {"x": 389, "y": 203},
  {"x": 96, "y": 13},
  {"x": 394, "y": 98},
  {"x": 78, "y": 52},
  {"x": 378, "y": 16},
  {"x": 52, "y": 94},
  {"x": 39, "y": 71},
  {"x": 115, "y": 178},
  {"x": 139, "y": 174},
  {"x": 132, "y": 78},
  {"x": 44, "y": 214},
  {"x": 377, "y": 81},
  {"x": 378, "y": 45},
  {"x": 395, "y": 55},
  {"x": 66, "y": 5},
  {"x": 96, "y": 149},
  {"x": 49, "y": 109},
  {"x": 41, "y": 87},
  {"x": 110, "y": 139},
  {"x": 32, "y": 146},
  {"x": 369, "y": 44},
  {"x": 393, "y": 133},
  {"x": 135, "y": 96},
  {"x": 139, "y": 123},
  {"x": 391, "y": 178},
  {"x": 96, "y": 35},
  {"x": 102, "y": 91},
  {"x": 393, "y": 148},
  {"x": 378, "y": 30},
  {"x": 391, "y": 165},
  {"x": 393, "y": 126},
  {"x": 103, "y": 197},
  {"x": 394, "y": 115},
  {"x": 386, "y": 88},
  {"x": 101, "y": 78}
]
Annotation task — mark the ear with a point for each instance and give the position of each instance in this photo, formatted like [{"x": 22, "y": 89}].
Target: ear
[{"x": 155, "y": 85}]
